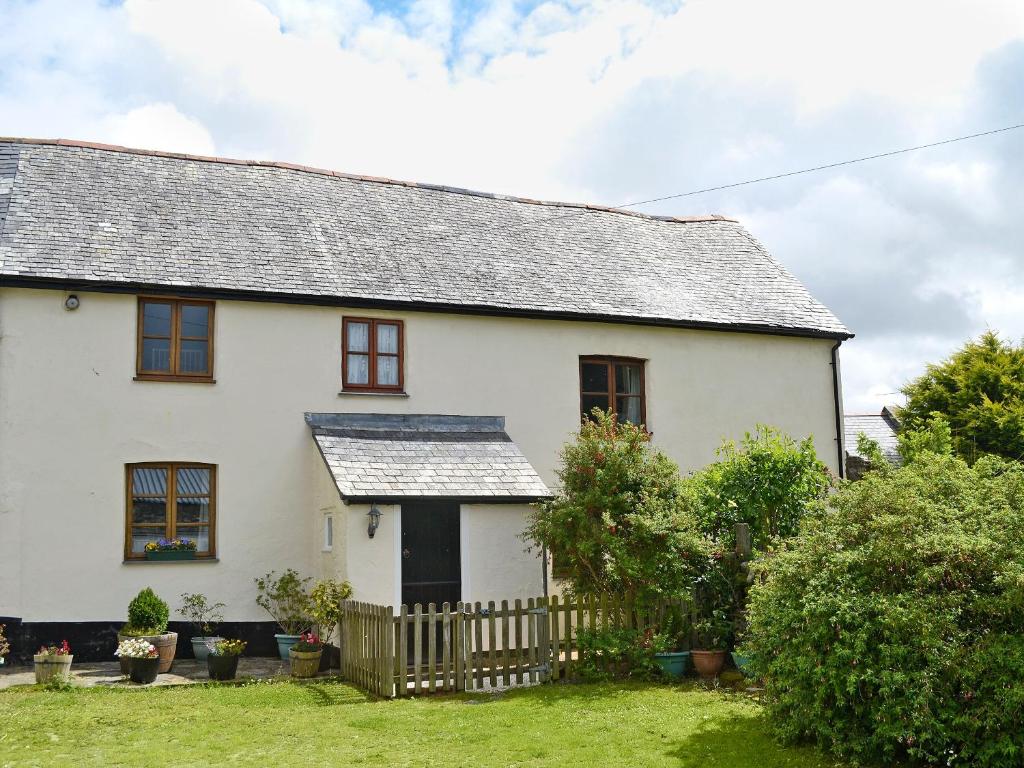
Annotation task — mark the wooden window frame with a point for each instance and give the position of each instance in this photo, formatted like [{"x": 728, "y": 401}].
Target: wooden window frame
[
  {"x": 611, "y": 361},
  {"x": 171, "y": 511},
  {"x": 141, "y": 374},
  {"x": 372, "y": 354}
]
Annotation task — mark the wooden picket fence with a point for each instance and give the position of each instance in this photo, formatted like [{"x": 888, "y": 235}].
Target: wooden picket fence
[{"x": 474, "y": 646}]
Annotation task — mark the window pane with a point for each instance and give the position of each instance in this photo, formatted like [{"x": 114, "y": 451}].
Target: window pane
[
  {"x": 142, "y": 536},
  {"x": 156, "y": 354},
  {"x": 149, "y": 511},
  {"x": 156, "y": 319},
  {"x": 627, "y": 378},
  {"x": 595, "y": 377},
  {"x": 387, "y": 371},
  {"x": 594, "y": 401},
  {"x": 149, "y": 481},
  {"x": 195, "y": 321},
  {"x": 628, "y": 409},
  {"x": 193, "y": 356},
  {"x": 200, "y": 534},
  {"x": 357, "y": 369},
  {"x": 358, "y": 337},
  {"x": 387, "y": 339},
  {"x": 193, "y": 481}
]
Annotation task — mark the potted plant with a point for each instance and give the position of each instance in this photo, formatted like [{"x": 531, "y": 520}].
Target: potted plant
[
  {"x": 147, "y": 619},
  {"x": 141, "y": 658},
  {"x": 305, "y": 655},
  {"x": 285, "y": 598},
  {"x": 222, "y": 661},
  {"x": 713, "y": 633},
  {"x": 171, "y": 549},
  {"x": 53, "y": 661},
  {"x": 204, "y": 616},
  {"x": 669, "y": 642},
  {"x": 325, "y": 609},
  {"x": 5, "y": 647}
]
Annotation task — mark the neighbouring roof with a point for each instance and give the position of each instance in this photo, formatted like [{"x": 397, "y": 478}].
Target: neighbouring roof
[
  {"x": 382, "y": 457},
  {"x": 880, "y": 427},
  {"x": 120, "y": 219}
]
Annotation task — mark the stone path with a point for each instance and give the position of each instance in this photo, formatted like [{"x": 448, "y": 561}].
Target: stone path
[{"x": 184, "y": 672}]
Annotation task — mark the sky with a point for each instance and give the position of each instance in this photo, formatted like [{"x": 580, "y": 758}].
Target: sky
[{"x": 605, "y": 102}]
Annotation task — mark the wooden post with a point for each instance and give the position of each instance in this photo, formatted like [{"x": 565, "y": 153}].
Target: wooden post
[
  {"x": 506, "y": 677},
  {"x": 446, "y": 647},
  {"x": 519, "y": 640},
  {"x": 417, "y": 648},
  {"x": 492, "y": 651},
  {"x": 744, "y": 548},
  {"x": 556, "y": 652},
  {"x": 478, "y": 656},
  {"x": 431, "y": 647}
]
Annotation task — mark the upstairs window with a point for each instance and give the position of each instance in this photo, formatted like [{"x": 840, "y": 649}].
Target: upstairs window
[
  {"x": 175, "y": 340},
  {"x": 372, "y": 355},
  {"x": 614, "y": 383},
  {"x": 170, "y": 501}
]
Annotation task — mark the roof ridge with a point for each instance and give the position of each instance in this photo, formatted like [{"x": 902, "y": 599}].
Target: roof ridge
[{"x": 711, "y": 217}]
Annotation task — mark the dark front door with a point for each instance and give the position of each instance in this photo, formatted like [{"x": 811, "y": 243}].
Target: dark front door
[{"x": 431, "y": 570}]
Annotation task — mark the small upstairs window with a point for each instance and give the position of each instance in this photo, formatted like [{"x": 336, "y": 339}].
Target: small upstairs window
[
  {"x": 175, "y": 340},
  {"x": 614, "y": 383},
  {"x": 372, "y": 357}
]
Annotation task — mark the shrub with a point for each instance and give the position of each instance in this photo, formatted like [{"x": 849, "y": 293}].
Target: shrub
[
  {"x": 619, "y": 523},
  {"x": 285, "y": 598},
  {"x": 615, "y": 652},
  {"x": 325, "y": 604},
  {"x": 5, "y": 647},
  {"x": 767, "y": 481},
  {"x": 890, "y": 628},
  {"x": 147, "y": 614},
  {"x": 200, "y": 612}
]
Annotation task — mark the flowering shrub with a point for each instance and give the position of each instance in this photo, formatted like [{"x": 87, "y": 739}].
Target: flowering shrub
[
  {"x": 55, "y": 650},
  {"x": 308, "y": 642},
  {"x": 5, "y": 647},
  {"x": 171, "y": 545},
  {"x": 228, "y": 648},
  {"x": 136, "y": 648}
]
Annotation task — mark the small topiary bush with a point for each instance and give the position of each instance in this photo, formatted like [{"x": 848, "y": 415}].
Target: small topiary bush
[
  {"x": 892, "y": 626},
  {"x": 147, "y": 614}
]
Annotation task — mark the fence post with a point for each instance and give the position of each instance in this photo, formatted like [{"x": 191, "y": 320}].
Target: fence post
[{"x": 744, "y": 548}]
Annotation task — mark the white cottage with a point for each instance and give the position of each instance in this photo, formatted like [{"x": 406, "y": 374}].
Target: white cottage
[{"x": 350, "y": 376}]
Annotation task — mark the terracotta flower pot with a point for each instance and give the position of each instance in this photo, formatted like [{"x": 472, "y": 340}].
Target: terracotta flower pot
[
  {"x": 708, "y": 663},
  {"x": 305, "y": 663},
  {"x": 49, "y": 667},
  {"x": 166, "y": 646}
]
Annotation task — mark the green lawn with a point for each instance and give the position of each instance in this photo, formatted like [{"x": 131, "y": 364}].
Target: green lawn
[{"x": 320, "y": 724}]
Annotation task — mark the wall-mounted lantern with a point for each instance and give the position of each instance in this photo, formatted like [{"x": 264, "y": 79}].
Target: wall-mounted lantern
[{"x": 374, "y": 515}]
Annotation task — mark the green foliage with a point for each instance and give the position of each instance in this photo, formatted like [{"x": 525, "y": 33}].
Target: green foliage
[
  {"x": 614, "y": 652},
  {"x": 147, "y": 614},
  {"x": 619, "y": 522},
  {"x": 767, "y": 481},
  {"x": 325, "y": 605},
  {"x": 203, "y": 614},
  {"x": 285, "y": 598},
  {"x": 872, "y": 452},
  {"x": 934, "y": 436},
  {"x": 891, "y": 626},
  {"x": 980, "y": 392},
  {"x": 5, "y": 647}
]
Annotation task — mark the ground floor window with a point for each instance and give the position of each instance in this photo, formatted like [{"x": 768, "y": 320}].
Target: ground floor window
[{"x": 171, "y": 500}]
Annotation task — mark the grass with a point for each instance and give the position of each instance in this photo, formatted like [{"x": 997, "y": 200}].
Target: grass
[{"x": 327, "y": 723}]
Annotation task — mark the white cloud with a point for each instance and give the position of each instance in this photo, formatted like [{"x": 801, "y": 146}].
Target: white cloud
[{"x": 159, "y": 126}]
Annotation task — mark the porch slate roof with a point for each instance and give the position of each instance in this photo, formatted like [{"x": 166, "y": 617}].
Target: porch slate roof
[
  {"x": 79, "y": 215},
  {"x": 382, "y": 457}
]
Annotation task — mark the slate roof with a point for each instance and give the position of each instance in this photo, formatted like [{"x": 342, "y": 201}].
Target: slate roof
[
  {"x": 121, "y": 219},
  {"x": 382, "y": 457},
  {"x": 880, "y": 427}
]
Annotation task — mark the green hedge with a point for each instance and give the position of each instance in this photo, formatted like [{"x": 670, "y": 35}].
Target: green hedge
[{"x": 891, "y": 626}]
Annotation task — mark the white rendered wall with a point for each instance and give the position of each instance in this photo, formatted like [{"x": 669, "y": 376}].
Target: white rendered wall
[{"x": 71, "y": 416}]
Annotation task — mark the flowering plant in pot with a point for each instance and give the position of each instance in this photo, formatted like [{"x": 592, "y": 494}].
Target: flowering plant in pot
[
  {"x": 285, "y": 598},
  {"x": 204, "y": 616},
  {"x": 141, "y": 657},
  {"x": 147, "y": 619},
  {"x": 53, "y": 661},
  {"x": 171, "y": 549},
  {"x": 305, "y": 655},
  {"x": 713, "y": 633},
  {"x": 222, "y": 661}
]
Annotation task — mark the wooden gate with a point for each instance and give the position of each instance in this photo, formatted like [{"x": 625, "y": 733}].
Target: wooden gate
[{"x": 475, "y": 647}]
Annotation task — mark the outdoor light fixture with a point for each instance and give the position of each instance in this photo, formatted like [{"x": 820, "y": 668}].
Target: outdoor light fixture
[{"x": 374, "y": 515}]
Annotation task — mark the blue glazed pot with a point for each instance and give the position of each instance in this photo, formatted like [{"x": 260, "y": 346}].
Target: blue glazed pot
[
  {"x": 673, "y": 665},
  {"x": 201, "y": 646},
  {"x": 741, "y": 662},
  {"x": 284, "y": 644}
]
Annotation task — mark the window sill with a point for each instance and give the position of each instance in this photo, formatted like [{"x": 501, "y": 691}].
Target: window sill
[
  {"x": 193, "y": 561},
  {"x": 370, "y": 393},
  {"x": 176, "y": 379}
]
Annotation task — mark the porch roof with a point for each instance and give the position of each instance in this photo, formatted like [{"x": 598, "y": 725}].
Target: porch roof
[{"x": 391, "y": 457}]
